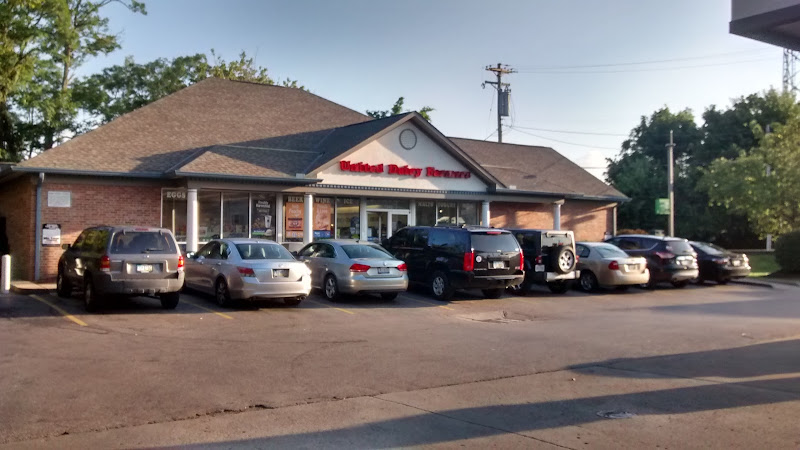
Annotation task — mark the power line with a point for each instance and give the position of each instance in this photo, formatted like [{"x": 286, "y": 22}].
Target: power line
[
  {"x": 572, "y": 132},
  {"x": 548, "y": 72},
  {"x": 637, "y": 63},
  {"x": 562, "y": 142}
]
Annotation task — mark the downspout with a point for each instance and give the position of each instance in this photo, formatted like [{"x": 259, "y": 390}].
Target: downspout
[{"x": 37, "y": 244}]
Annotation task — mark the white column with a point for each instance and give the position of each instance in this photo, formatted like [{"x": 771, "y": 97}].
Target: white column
[
  {"x": 362, "y": 219},
  {"x": 557, "y": 214},
  {"x": 412, "y": 212},
  {"x": 192, "y": 219},
  {"x": 308, "y": 219},
  {"x": 486, "y": 215},
  {"x": 279, "y": 218}
]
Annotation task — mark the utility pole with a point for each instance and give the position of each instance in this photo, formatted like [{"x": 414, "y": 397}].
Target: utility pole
[
  {"x": 671, "y": 185},
  {"x": 502, "y": 94},
  {"x": 790, "y": 58},
  {"x": 769, "y": 173}
]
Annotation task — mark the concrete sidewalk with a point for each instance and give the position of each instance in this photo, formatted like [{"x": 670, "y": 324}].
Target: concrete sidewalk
[{"x": 30, "y": 287}]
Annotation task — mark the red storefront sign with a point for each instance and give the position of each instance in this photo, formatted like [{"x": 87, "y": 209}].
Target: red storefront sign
[{"x": 394, "y": 169}]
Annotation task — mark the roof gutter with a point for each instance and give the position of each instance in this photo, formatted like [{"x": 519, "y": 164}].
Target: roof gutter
[
  {"x": 608, "y": 198},
  {"x": 90, "y": 173}
]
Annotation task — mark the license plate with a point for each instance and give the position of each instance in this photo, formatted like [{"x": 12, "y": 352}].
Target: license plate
[
  {"x": 538, "y": 268},
  {"x": 383, "y": 270},
  {"x": 280, "y": 273},
  {"x": 633, "y": 267},
  {"x": 144, "y": 268},
  {"x": 736, "y": 262},
  {"x": 498, "y": 265}
]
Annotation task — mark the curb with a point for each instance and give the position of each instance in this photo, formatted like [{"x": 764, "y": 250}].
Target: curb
[
  {"x": 28, "y": 291},
  {"x": 753, "y": 283}
]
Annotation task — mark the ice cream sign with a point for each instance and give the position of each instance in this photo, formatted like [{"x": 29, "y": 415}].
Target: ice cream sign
[{"x": 394, "y": 169}]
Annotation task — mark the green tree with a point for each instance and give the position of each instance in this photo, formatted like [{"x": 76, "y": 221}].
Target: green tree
[
  {"x": 397, "y": 108},
  {"x": 771, "y": 201}
]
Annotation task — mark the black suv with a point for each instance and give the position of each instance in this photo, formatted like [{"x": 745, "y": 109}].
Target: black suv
[
  {"x": 668, "y": 258},
  {"x": 550, "y": 259},
  {"x": 450, "y": 258}
]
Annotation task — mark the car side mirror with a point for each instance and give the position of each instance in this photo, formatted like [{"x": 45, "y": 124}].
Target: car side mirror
[
  {"x": 191, "y": 255},
  {"x": 294, "y": 253},
  {"x": 66, "y": 246}
]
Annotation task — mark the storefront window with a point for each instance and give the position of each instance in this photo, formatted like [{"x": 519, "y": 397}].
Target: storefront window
[
  {"x": 468, "y": 213},
  {"x": 446, "y": 213},
  {"x": 426, "y": 213},
  {"x": 347, "y": 218},
  {"x": 293, "y": 214},
  {"x": 387, "y": 203},
  {"x": 235, "y": 206},
  {"x": 208, "y": 205},
  {"x": 323, "y": 218},
  {"x": 173, "y": 212},
  {"x": 262, "y": 217}
]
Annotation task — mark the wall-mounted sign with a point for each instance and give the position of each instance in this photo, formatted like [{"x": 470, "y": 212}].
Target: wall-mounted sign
[
  {"x": 394, "y": 169},
  {"x": 59, "y": 199},
  {"x": 51, "y": 234},
  {"x": 662, "y": 206}
]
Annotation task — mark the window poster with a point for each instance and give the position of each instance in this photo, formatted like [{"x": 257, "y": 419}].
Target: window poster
[
  {"x": 294, "y": 220},
  {"x": 262, "y": 214},
  {"x": 323, "y": 213}
]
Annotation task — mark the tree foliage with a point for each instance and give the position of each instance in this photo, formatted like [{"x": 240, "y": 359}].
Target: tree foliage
[{"x": 397, "y": 108}]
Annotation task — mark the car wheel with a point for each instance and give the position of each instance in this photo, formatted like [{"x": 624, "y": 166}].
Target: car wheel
[
  {"x": 723, "y": 281},
  {"x": 520, "y": 289},
  {"x": 492, "y": 293},
  {"x": 294, "y": 301},
  {"x": 699, "y": 281},
  {"x": 221, "y": 293},
  {"x": 563, "y": 260},
  {"x": 90, "y": 298},
  {"x": 558, "y": 287},
  {"x": 680, "y": 284},
  {"x": 440, "y": 286},
  {"x": 588, "y": 281},
  {"x": 389, "y": 295},
  {"x": 623, "y": 288},
  {"x": 331, "y": 288},
  {"x": 170, "y": 300},
  {"x": 63, "y": 286}
]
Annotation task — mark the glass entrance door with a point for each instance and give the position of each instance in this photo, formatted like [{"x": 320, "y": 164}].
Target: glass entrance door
[
  {"x": 382, "y": 224},
  {"x": 398, "y": 221}
]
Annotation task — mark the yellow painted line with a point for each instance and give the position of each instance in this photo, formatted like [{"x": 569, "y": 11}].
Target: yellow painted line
[
  {"x": 329, "y": 306},
  {"x": 429, "y": 303},
  {"x": 206, "y": 309},
  {"x": 66, "y": 315}
]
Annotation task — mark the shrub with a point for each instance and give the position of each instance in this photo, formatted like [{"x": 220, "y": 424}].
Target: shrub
[{"x": 787, "y": 251}]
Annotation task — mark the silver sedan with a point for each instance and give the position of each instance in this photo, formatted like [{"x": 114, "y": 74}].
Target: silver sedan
[
  {"x": 603, "y": 264},
  {"x": 247, "y": 269},
  {"x": 346, "y": 266}
]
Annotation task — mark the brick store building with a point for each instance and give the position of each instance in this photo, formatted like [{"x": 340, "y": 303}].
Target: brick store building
[{"x": 233, "y": 159}]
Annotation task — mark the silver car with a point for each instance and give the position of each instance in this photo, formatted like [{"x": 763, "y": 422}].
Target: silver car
[
  {"x": 603, "y": 264},
  {"x": 247, "y": 269},
  {"x": 346, "y": 266}
]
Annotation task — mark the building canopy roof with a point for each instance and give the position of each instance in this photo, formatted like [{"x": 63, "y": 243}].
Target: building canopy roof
[{"x": 229, "y": 129}]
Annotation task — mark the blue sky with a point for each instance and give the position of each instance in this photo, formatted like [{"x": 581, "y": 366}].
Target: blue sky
[{"x": 365, "y": 54}]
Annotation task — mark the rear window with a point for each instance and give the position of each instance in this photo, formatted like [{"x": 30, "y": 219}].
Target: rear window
[
  {"x": 365, "y": 251},
  {"x": 133, "y": 242},
  {"x": 485, "y": 242},
  {"x": 678, "y": 247},
  {"x": 263, "y": 251},
  {"x": 610, "y": 251},
  {"x": 710, "y": 249}
]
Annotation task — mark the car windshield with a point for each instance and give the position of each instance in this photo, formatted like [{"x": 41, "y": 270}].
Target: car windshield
[
  {"x": 609, "y": 251},
  {"x": 354, "y": 251},
  {"x": 142, "y": 242},
  {"x": 252, "y": 251},
  {"x": 494, "y": 242}
]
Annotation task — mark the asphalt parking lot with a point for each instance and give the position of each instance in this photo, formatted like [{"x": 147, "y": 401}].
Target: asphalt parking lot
[{"x": 712, "y": 366}]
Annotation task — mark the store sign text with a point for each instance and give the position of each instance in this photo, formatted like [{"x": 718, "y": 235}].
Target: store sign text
[{"x": 394, "y": 169}]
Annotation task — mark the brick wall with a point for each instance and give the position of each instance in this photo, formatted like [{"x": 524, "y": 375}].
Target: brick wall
[
  {"x": 17, "y": 199},
  {"x": 589, "y": 220},
  {"x": 96, "y": 204}
]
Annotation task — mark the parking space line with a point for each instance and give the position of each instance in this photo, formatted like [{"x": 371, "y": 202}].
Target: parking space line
[
  {"x": 206, "y": 309},
  {"x": 61, "y": 311},
  {"x": 428, "y": 303},
  {"x": 329, "y": 306}
]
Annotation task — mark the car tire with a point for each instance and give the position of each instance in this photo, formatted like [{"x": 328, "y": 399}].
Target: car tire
[
  {"x": 388, "y": 296},
  {"x": 63, "y": 286},
  {"x": 680, "y": 284},
  {"x": 588, "y": 281},
  {"x": 723, "y": 281},
  {"x": 623, "y": 288},
  {"x": 294, "y": 301},
  {"x": 440, "y": 286},
  {"x": 170, "y": 300},
  {"x": 492, "y": 293},
  {"x": 520, "y": 289},
  {"x": 558, "y": 287},
  {"x": 330, "y": 288},
  {"x": 699, "y": 281},
  {"x": 563, "y": 260},
  {"x": 91, "y": 300},
  {"x": 221, "y": 293}
]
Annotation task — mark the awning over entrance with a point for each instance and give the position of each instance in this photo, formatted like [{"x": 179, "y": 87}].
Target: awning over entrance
[{"x": 772, "y": 21}]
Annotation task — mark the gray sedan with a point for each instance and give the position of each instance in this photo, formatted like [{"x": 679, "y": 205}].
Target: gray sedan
[
  {"x": 605, "y": 264},
  {"x": 346, "y": 266},
  {"x": 247, "y": 269}
]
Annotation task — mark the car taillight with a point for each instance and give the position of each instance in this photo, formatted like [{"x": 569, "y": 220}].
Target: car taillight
[
  {"x": 181, "y": 262},
  {"x": 665, "y": 255},
  {"x": 359, "y": 268},
  {"x": 613, "y": 265},
  {"x": 105, "y": 263},
  {"x": 402, "y": 267},
  {"x": 721, "y": 261},
  {"x": 469, "y": 262},
  {"x": 246, "y": 271},
  {"x": 539, "y": 259},
  {"x": 521, "y": 261}
]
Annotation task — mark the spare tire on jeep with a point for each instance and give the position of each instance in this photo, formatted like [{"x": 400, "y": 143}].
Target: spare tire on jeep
[{"x": 562, "y": 259}]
